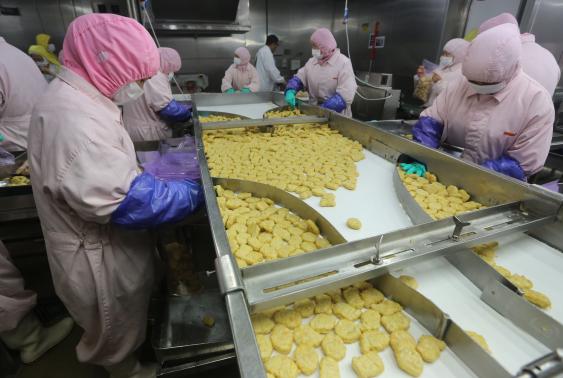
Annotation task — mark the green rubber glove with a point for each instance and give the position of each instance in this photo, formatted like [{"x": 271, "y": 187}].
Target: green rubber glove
[
  {"x": 246, "y": 90},
  {"x": 230, "y": 91},
  {"x": 418, "y": 169},
  {"x": 290, "y": 98},
  {"x": 1, "y": 137}
]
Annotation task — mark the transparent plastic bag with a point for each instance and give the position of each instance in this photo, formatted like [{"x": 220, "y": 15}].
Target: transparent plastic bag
[
  {"x": 7, "y": 163},
  {"x": 424, "y": 86},
  {"x": 176, "y": 162}
]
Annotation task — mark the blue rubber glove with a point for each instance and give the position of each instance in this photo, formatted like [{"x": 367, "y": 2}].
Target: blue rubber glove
[
  {"x": 418, "y": 169},
  {"x": 506, "y": 165},
  {"x": 175, "y": 112},
  {"x": 230, "y": 91},
  {"x": 428, "y": 132},
  {"x": 335, "y": 102},
  {"x": 151, "y": 202},
  {"x": 293, "y": 86},
  {"x": 246, "y": 90}
]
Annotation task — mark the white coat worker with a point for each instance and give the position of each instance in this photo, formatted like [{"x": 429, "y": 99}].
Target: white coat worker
[
  {"x": 328, "y": 76},
  {"x": 147, "y": 117},
  {"x": 241, "y": 76},
  {"x": 537, "y": 61},
  {"x": 91, "y": 197},
  {"x": 19, "y": 327},
  {"x": 266, "y": 65},
  {"x": 21, "y": 84}
]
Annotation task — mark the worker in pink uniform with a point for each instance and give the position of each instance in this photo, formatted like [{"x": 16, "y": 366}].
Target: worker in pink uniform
[
  {"x": 536, "y": 61},
  {"x": 21, "y": 84},
  {"x": 93, "y": 201},
  {"x": 328, "y": 76},
  {"x": 241, "y": 75},
  {"x": 498, "y": 114},
  {"x": 147, "y": 117},
  {"x": 19, "y": 327},
  {"x": 450, "y": 66}
]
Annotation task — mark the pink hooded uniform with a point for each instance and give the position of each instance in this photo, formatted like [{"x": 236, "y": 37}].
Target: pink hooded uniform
[
  {"x": 15, "y": 301},
  {"x": 241, "y": 76},
  {"x": 457, "y": 48},
  {"x": 331, "y": 74},
  {"x": 515, "y": 121},
  {"x": 21, "y": 85},
  {"x": 83, "y": 164},
  {"x": 539, "y": 63},
  {"x": 140, "y": 116},
  {"x": 536, "y": 61}
]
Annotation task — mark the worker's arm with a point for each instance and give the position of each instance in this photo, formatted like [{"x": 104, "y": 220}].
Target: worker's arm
[
  {"x": 294, "y": 85},
  {"x": 158, "y": 96},
  {"x": 345, "y": 89},
  {"x": 227, "y": 82},
  {"x": 532, "y": 145},
  {"x": 102, "y": 183},
  {"x": 429, "y": 129}
]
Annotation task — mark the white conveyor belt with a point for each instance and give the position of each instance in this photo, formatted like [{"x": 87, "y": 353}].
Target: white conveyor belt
[
  {"x": 254, "y": 111},
  {"x": 375, "y": 203}
]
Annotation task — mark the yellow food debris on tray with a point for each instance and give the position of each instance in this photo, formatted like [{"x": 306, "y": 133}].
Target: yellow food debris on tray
[
  {"x": 283, "y": 113},
  {"x": 217, "y": 118},
  {"x": 354, "y": 223},
  {"x": 305, "y": 159}
]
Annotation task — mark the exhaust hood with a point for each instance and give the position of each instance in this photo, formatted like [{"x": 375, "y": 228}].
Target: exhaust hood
[{"x": 214, "y": 17}]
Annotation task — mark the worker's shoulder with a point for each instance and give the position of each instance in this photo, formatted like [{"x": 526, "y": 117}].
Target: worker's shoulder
[{"x": 531, "y": 88}]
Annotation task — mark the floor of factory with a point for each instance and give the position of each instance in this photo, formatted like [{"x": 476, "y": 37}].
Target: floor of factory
[{"x": 61, "y": 362}]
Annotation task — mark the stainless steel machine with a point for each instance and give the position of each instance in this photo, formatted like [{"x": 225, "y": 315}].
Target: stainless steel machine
[{"x": 526, "y": 218}]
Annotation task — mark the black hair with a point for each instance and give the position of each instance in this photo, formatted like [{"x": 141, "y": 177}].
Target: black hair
[{"x": 272, "y": 38}]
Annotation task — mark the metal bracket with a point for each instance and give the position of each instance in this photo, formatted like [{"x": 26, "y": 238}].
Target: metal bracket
[
  {"x": 226, "y": 269},
  {"x": 376, "y": 259},
  {"x": 459, "y": 225},
  {"x": 549, "y": 365}
]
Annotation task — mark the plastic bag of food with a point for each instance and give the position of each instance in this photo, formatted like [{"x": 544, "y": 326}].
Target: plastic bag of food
[
  {"x": 7, "y": 163},
  {"x": 176, "y": 162},
  {"x": 424, "y": 85}
]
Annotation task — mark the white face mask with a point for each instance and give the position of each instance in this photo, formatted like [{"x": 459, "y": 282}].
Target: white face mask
[
  {"x": 171, "y": 76},
  {"x": 446, "y": 61},
  {"x": 51, "y": 47},
  {"x": 128, "y": 93},
  {"x": 316, "y": 54},
  {"x": 236, "y": 61},
  {"x": 487, "y": 89}
]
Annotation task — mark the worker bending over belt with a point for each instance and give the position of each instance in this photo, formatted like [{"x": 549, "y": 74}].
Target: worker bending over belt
[
  {"x": 146, "y": 118},
  {"x": 328, "y": 76},
  {"x": 500, "y": 116},
  {"x": 241, "y": 75},
  {"x": 91, "y": 195}
]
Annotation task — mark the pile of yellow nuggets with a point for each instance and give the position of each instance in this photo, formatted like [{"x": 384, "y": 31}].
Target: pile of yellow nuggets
[
  {"x": 306, "y": 159},
  {"x": 437, "y": 200},
  {"x": 487, "y": 252},
  {"x": 283, "y": 113},
  {"x": 258, "y": 230},
  {"x": 216, "y": 118},
  {"x": 290, "y": 345}
]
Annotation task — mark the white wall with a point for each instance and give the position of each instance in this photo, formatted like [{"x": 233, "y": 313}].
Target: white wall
[{"x": 482, "y": 10}]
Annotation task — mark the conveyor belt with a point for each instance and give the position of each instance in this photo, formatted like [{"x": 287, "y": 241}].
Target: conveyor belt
[{"x": 375, "y": 203}]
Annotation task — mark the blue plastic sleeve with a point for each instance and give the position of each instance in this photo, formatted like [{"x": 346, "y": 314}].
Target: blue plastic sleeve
[
  {"x": 151, "y": 202},
  {"x": 175, "y": 112}
]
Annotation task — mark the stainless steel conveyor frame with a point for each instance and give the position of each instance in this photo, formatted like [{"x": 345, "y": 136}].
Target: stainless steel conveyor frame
[{"x": 513, "y": 207}]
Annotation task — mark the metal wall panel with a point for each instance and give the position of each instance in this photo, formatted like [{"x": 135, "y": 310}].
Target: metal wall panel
[
  {"x": 20, "y": 30},
  {"x": 213, "y": 55}
]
